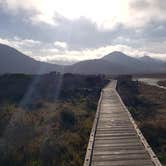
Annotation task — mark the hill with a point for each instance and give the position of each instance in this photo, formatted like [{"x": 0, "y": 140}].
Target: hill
[
  {"x": 119, "y": 63},
  {"x": 13, "y": 61}
]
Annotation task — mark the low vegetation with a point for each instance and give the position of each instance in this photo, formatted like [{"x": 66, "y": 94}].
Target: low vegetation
[
  {"x": 46, "y": 120},
  {"x": 162, "y": 83},
  {"x": 147, "y": 105}
]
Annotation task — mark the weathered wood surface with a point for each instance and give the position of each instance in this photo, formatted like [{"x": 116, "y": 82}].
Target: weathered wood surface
[{"x": 115, "y": 139}]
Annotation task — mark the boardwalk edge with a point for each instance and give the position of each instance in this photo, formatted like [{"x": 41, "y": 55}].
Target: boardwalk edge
[
  {"x": 89, "y": 151},
  {"x": 152, "y": 155}
]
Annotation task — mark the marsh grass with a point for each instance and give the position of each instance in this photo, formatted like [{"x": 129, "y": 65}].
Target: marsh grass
[{"x": 147, "y": 105}]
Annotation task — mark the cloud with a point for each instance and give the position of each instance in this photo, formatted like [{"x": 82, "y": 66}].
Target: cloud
[
  {"x": 47, "y": 10},
  {"x": 18, "y": 42},
  {"x": 79, "y": 30},
  {"x": 139, "y": 4},
  {"x": 147, "y": 11},
  {"x": 60, "y": 44},
  {"x": 106, "y": 14},
  {"x": 24, "y": 45},
  {"x": 80, "y": 33}
]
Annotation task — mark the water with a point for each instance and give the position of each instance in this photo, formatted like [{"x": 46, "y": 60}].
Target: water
[{"x": 152, "y": 81}]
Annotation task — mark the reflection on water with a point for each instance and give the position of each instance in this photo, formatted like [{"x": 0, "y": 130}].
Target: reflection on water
[{"x": 152, "y": 81}]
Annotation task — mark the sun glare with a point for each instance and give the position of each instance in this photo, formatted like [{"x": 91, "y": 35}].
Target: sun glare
[{"x": 105, "y": 13}]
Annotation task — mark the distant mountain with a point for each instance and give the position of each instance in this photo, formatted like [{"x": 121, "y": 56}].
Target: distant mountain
[
  {"x": 122, "y": 59},
  {"x": 13, "y": 61},
  {"x": 96, "y": 66},
  {"x": 119, "y": 63},
  {"x": 148, "y": 59}
]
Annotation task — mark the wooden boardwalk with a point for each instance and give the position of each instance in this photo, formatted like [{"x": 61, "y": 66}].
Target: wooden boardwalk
[{"x": 115, "y": 139}]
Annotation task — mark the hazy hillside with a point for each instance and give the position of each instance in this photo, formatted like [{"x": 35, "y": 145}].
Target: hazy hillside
[
  {"x": 147, "y": 59},
  {"x": 13, "y": 61}
]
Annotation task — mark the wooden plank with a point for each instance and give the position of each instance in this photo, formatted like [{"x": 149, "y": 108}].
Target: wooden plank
[
  {"x": 115, "y": 139},
  {"x": 116, "y": 148},
  {"x": 119, "y": 157},
  {"x": 123, "y": 163},
  {"x": 106, "y": 152}
]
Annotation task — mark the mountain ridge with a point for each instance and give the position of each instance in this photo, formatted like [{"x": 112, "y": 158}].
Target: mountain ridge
[{"x": 13, "y": 61}]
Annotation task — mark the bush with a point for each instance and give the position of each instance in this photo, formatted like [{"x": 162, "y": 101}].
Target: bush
[{"x": 67, "y": 119}]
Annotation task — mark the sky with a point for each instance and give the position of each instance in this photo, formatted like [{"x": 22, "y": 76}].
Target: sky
[{"x": 61, "y": 31}]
